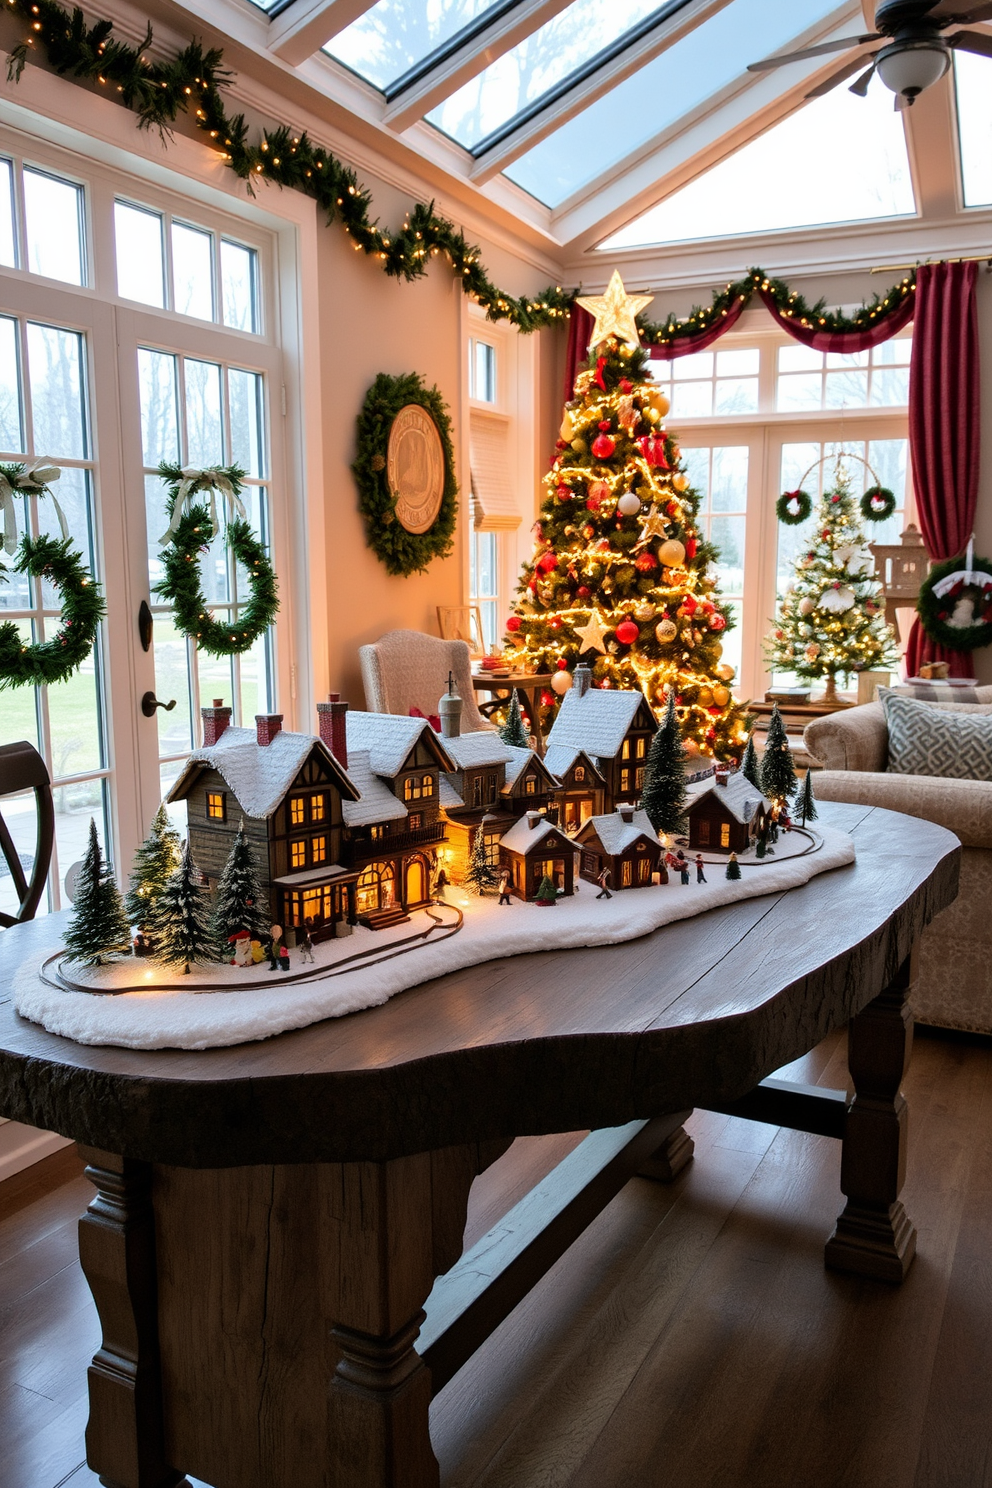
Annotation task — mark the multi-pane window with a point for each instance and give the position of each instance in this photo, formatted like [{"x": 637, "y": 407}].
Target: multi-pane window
[
  {"x": 297, "y": 811},
  {"x": 176, "y": 265},
  {"x": 201, "y": 413},
  {"x": 484, "y": 583},
  {"x": 530, "y": 786},
  {"x": 810, "y": 380},
  {"x": 42, "y": 223},
  {"x": 318, "y": 850},
  {"x": 711, "y": 382},
  {"x": 318, "y": 807},
  {"x": 298, "y": 854},
  {"x": 720, "y": 475},
  {"x": 45, "y": 411},
  {"x": 215, "y": 806},
  {"x": 417, "y": 786}
]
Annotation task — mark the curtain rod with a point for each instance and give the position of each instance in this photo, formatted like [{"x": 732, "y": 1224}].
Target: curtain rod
[{"x": 985, "y": 258}]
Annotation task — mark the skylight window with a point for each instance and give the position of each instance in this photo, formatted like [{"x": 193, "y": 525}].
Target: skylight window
[
  {"x": 397, "y": 35},
  {"x": 844, "y": 159},
  {"x": 569, "y": 41},
  {"x": 971, "y": 77},
  {"x": 659, "y": 94}
]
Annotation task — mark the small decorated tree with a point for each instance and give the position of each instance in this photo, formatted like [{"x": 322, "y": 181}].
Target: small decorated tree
[
  {"x": 154, "y": 864},
  {"x": 240, "y": 903},
  {"x": 481, "y": 873},
  {"x": 778, "y": 770},
  {"x": 99, "y": 925},
  {"x": 512, "y": 730},
  {"x": 733, "y": 867},
  {"x": 664, "y": 793},
  {"x": 806, "y": 806},
  {"x": 831, "y": 621},
  {"x": 184, "y": 933},
  {"x": 546, "y": 892},
  {"x": 751, "y": 765}
]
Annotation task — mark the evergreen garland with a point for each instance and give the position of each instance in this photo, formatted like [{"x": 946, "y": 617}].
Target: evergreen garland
[
  {"x": 240, "y": 902},
  {"x": 182, "y": 588},
  {"x": 512, "y": 729},
  {"x": 155, "y": 861},
  {"x": 98, "y": 926},
  {"x": 401, "y": 551},
  {"x": 184, "y": 933},
  {"x": 664, "y": 793},
  {"x": 82, "y": 610}
]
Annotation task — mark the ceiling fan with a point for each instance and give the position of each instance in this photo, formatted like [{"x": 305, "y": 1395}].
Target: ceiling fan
[{"x": 916, "y": 53}]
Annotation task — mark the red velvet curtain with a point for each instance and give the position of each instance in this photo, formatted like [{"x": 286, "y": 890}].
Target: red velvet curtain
[
  {"x": 580, "y": 324},
  {"x": 944, "y": 428}
]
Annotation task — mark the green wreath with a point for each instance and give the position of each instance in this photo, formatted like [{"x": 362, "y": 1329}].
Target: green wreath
[
  {"x": 401, "y": 551},
  {"x": 935, "y": 610},
  {"x": 82, "y": 610},
  {"x": 189, "y": 533},
  {"x": 877, "y": 504},
  {"x": 793, "y": 507}
]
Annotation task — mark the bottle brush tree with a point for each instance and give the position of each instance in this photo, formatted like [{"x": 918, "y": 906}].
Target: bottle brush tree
[
  {"x": 99, "y": 925},
  {"x": 806, "y": 805},
  {"x": 778, "y": 770},
  {"x": 733, "y": 867},
  {"x": 751, "y": 765},
  {"x": 512, "y": 729},
  {"x": 154, "y": 864},
  {"x": 546, "y": 892},
  {"x": 481, "y": 874},
  {"x": 183, "y": 927},
  {"x": 664, "y": 794},
  {"x": 240, "y": 902}
]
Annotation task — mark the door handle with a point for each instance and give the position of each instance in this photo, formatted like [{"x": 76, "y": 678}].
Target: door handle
[{"x": 150, "y": 702}]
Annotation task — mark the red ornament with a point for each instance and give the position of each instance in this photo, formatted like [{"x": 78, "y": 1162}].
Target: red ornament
[
  {"x": 547, "y": 699},
  {"x": 626, "y": 386},
  {"x": 603, "y": 446},
  {"x": 714, "y": 712},
  {"x": 673, "y": 509},
  {"x": 583, "y": 591},
  {"x": 561, "y": 444},
  {"x": 604, "y": 426},
  {"x": 834, "y": 500},
  {"x": 708, "y": 607},
  {"x": 717, "y": 622},
  {"x": 689, "y": 605},
  {"x": 562, "y": 664},
  {"x": 645, "y": 562},
  {"x": 691, "y": 547},
  {"x": 593, "y": 502},
  {"x": 563, "y": 493},
  {"x": 627, "y": 632},
  {"x": 547, "y": 562},
  {"x": 603, "y": 546},
  {"x": 711, "y": 736},
  {"x": 653, "y": 450},
  {"x": 513, "y": 623},
  {"x": 825, "y": 533}
]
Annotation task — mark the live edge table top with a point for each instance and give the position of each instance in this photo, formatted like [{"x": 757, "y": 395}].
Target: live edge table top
[{"x": 696, "y": 1013}]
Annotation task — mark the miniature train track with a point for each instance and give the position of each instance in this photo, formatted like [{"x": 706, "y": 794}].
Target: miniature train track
[{"x": 438, "y": 930}]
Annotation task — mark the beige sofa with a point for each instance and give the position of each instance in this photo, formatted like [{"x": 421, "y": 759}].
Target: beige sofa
[{"x": 954, "y": 982}]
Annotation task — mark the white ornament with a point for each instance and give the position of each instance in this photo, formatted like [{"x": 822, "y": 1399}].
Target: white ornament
[
  {"x": 561, "y": 683},
  {"x": 837, "y": 600},
  {"x": 806, "y": 606},
  {"x": 666, "y": 630},
  {"x": 629, "y": 505}
]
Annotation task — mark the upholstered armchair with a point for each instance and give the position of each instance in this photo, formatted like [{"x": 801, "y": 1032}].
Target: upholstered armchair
[
  {"x": 953, "y": 987},
  {"x": 406, "y": 669}
]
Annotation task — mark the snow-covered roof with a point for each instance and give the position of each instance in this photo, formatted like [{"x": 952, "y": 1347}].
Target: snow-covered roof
[
  {"x": 617, "y": 835},
  {"x": 522, "y": 836},
  {"x": 595, "y": 721},
  {"x": 469, "y": 751},
  {"x": 449, "y": 791},
  {"x": 740, "y": 797},
  {"x": 378, "y": 804},
  {"x": 389, "y": 737},
  {"x": 560, "y": 758},
  {"x": 259, "y": 775},
  {"x": 313, "y": 876},
  {"x": 519, "y": 760}
]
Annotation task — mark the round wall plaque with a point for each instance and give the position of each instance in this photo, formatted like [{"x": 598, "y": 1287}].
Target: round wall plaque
[{"x": 415, "y": 467}]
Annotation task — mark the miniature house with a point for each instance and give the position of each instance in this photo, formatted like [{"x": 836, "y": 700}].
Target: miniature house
[
  {"x": 624, "y": 842},
  {"x": 727, "y": 815},
  {"x": 535, "y": 848},
  {"x": 612, "y": 729}
]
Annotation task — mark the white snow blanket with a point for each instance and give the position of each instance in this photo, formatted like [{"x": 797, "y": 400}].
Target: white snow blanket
[{"x": 254, "y": 1003}]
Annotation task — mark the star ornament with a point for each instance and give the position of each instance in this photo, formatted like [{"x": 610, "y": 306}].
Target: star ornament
[
  {"x": 614, "y": 312},
  {"x": 591, "y": 635},
  {"x": 653, "y": 525}
]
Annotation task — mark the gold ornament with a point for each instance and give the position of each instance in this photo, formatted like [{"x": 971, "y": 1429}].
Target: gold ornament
[
  {"x": 614, "y": 312},
  {"x": 725, "y": 672},
  {"x": 721, "y": 696},
  {"x": 660, "y": 401},
  {"x": 567, "y": 428},
  {"x": 591, "y": 635},
  {"x": 704, "y": 697},
  {"x": 672, "y": 553},
  {"x": 666, "y": 630},
  {"x": 645, "y": 612},
  {"x": 580, "y": 447},
  {"x": 680, "y": 481},
  {"x": 653, "y": 525}
]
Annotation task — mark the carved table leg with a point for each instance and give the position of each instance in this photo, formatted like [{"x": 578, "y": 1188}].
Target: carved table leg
[
  {"x": 124, "y": 1440},
  {"x": 874, "y": 1236}
]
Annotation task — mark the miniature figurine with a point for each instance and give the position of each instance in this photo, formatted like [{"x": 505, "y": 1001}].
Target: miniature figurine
[
  {"x": 283, "y": 956},
  {"x": 306, "y": 945},
  {"x": 241, "y": 942},
  {"x": 257, "y": 952},
  {"x": 682, "y": 863},
  {"x": 733, "y": 867},
  {"x": 504, "y": 887},
  {"x": 604, "y": 880},
  {"x": 275, "y": 936},
  {"x": 700, "y": 875}
]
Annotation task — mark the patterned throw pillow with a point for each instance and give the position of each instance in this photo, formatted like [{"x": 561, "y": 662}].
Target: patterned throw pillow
[
  {"x": 941, "y": 692},
  {"x": 928, "y": 740}
]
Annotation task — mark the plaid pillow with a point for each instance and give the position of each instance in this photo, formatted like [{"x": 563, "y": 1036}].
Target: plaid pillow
[
  {"x": 924, "y": 740},
  {"x": 941, "y": 692}
]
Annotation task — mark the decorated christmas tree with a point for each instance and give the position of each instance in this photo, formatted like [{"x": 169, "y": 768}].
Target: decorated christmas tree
[
  {"x": 512, "y": 729},
  {"x": 621, "y": 575},
  {"x": 664, "y": 793},
  {"x": 240, "y": 902},
  {"x": 154, "y": 864},
  {"x": 99, "y": 925},
  {"x": 184, "y": 933},
  {"x": 831, "y": 620},
  {"x": 480, "y": 873},
  {"x": 778, "y": 769}
]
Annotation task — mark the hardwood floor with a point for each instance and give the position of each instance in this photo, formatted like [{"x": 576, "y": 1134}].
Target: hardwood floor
[{"x": 691, "y": 1338}]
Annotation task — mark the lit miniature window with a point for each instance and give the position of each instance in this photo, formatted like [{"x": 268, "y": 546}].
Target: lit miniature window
[
  {"x": 625, "y": 752},
  {"x": 318, "y": 849},
  {"x": 724, "y": 834},
  {"x": 411, "y": 788},
  {"x": 215, "y": 805},
  {"x": 297, "y": 855},
  {"x": 580, "y": 774},
  {"x": 626, "y": 873},
  {"x": 416, "y": 821},
  {"x": 639, "y": 777},
  {"x": 625, "y": 780},
  {"x": 642, "y": 745},
  {"x": 427, "y": 784},
  {"x": 318, "y": 808},
  {"x": 377, "y": 833},
  {"x": 530, "y": 786},
  {"x": 297, "y": 811}
]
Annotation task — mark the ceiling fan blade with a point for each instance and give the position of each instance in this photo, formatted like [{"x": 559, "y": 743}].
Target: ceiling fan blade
[
  {"x": 979, "y": 42},
  {"x": 948, "y": 16},
  {"x": 861, "y": 86},
  {"x": 820, "y": 50},
  {"x": 838, "y": 77}
]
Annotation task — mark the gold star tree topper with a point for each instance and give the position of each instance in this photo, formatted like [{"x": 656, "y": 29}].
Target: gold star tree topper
[{"x": 614, "y": 312}]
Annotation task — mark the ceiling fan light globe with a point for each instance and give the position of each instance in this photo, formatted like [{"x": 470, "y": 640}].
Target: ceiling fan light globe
[{"x": 911, "y": 67}]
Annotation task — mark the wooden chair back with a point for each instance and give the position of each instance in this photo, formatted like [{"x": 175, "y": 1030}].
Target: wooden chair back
[{"x": 22, "y": 768}]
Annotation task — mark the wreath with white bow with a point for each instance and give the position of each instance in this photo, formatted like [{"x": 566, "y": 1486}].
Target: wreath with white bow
[
  {"x": 192, "y": 524},
  {"x": 26, "y": 664}
]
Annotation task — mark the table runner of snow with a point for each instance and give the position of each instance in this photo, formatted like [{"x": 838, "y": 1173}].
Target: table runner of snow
[{"x": 236, "y": 1006}]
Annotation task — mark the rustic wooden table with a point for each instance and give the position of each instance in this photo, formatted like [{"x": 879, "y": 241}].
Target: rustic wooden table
[
  {"x": 269, "y": 1219},
  {"x": 530, "y": 685}
]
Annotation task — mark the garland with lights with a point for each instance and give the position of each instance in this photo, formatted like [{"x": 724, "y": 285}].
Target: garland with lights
[
  {"x": 192, "y": 82},
  {"x": 47, "y": 662},
  {"x": 187, "y": 540},
  {"x": 401, "y": 551},
  {"x": 936, "y": 611}
]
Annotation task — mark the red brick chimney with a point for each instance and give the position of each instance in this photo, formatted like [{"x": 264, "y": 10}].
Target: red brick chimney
[
  {"x": 722, "y": 773},
  {"x": 215, "y": 721},
  {"x": 333, "y": 725},
  {"x": 267, "y": 725}
]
